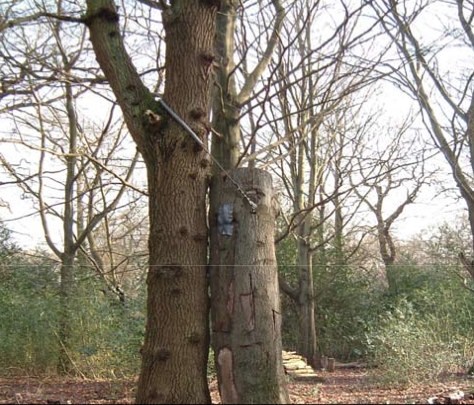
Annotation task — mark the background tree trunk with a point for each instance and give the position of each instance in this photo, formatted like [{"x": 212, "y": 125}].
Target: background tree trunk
[
  {"x": 66, "y": 287},
  {"x": 68, "y": 257},
  {"x": 307, "y": 324},
  {"x": 246, "y": 315}
]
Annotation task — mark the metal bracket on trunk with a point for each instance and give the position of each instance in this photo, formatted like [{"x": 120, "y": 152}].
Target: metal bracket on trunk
[{"x": 225, "y": 219}]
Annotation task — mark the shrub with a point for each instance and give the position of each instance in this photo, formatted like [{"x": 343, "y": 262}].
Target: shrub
[
  {"x": 107, "y": 334},
  {"x": 425, "y": 333}
]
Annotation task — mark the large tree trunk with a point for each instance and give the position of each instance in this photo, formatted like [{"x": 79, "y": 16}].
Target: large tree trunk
[
  {"x": 246, "y": 315},
  {"x": 176, "y": 341},
  {"x": 175, "y": 349}
]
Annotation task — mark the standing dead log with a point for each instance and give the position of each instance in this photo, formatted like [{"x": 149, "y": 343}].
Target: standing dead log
[{"x": 246, "y": 315}]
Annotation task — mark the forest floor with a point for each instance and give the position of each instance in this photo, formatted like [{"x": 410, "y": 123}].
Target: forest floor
[{"x": 343, "y": 386}]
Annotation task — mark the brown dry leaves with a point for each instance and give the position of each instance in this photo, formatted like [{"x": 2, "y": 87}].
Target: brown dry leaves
[
  {"x": 342, "y": 386},
  {"x": 54, "y": 391}
]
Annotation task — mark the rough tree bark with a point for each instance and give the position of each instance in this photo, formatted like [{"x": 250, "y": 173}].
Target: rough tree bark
[
  {"x": 176, "y": 341},
  {"x": 246, "y": 315},
  {"x": 228, "y": 104}
]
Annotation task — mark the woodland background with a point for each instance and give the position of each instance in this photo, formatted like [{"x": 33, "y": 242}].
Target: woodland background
[{"x": 359, "y": 110}]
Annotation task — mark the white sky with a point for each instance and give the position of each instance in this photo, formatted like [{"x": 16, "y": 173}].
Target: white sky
[{"x": 430, "y": 209}]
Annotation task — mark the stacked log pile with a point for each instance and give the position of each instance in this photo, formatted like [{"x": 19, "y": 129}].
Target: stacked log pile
[{"x": 298, "y": 369}]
